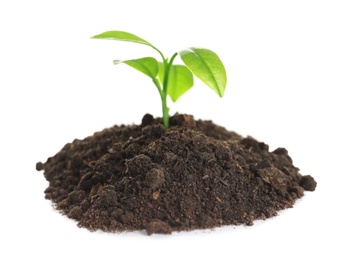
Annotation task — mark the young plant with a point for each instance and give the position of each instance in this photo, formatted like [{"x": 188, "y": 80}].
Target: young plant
[{"x": 174, "y": 80}]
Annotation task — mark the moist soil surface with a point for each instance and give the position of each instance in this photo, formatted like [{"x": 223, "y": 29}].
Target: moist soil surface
[{"x": 193, "y": 175}]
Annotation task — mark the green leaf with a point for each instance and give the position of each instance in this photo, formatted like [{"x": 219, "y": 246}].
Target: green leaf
[
  {"x": 148, "y": 65},
  {"x": 121, "y": 36},
  {"x": 207, "y": 66},
  {"x": 161, "y": 72},
  {"x": 180, "y": 80}
]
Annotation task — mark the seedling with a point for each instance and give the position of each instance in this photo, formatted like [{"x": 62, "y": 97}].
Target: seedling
[{"x": 174, "y": 80}]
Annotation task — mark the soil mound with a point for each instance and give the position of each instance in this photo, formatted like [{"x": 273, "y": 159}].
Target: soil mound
[{"x": 194, "y": 175}]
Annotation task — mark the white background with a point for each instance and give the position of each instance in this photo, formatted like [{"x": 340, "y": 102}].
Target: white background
[{"x": 285, "y": 64}]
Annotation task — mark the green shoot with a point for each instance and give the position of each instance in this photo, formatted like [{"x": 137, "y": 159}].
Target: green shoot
[{"x": 174, "y": 80}]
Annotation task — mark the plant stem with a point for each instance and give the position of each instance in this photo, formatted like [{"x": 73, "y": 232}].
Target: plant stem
[
  {"x": 165, "y": 113},
  {"x": 163, "y": 94},
  {"x": 165, "y": 109},
  {"x": 164, "y": 90}
]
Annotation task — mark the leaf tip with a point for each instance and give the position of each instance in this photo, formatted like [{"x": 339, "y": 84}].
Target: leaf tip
[{"x": 116, "y": 62}]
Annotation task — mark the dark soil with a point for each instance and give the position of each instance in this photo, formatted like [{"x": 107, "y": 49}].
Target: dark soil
[{"x": 194, "y": 175}]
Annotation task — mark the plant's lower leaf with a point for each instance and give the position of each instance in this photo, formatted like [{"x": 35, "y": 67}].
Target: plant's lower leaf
[
  {"x": 180, "y": 80},
  {"x": 161, "y": 72},
  {"x": 148, "y": 65}
]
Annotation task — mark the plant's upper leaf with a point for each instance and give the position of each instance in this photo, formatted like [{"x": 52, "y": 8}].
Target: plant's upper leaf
[
  {"x": 207, "y": 66},
  {"x": 121, "y": 36},
  {"x": 180, "y": 80},
  {"x": 147, "y": 65}
]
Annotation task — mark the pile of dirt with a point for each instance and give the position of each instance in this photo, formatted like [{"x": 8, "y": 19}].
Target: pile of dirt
[{"x": 194, "y": 175}]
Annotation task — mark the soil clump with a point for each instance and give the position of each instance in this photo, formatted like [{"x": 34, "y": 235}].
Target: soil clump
[{"x": 194, "y": 175}]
